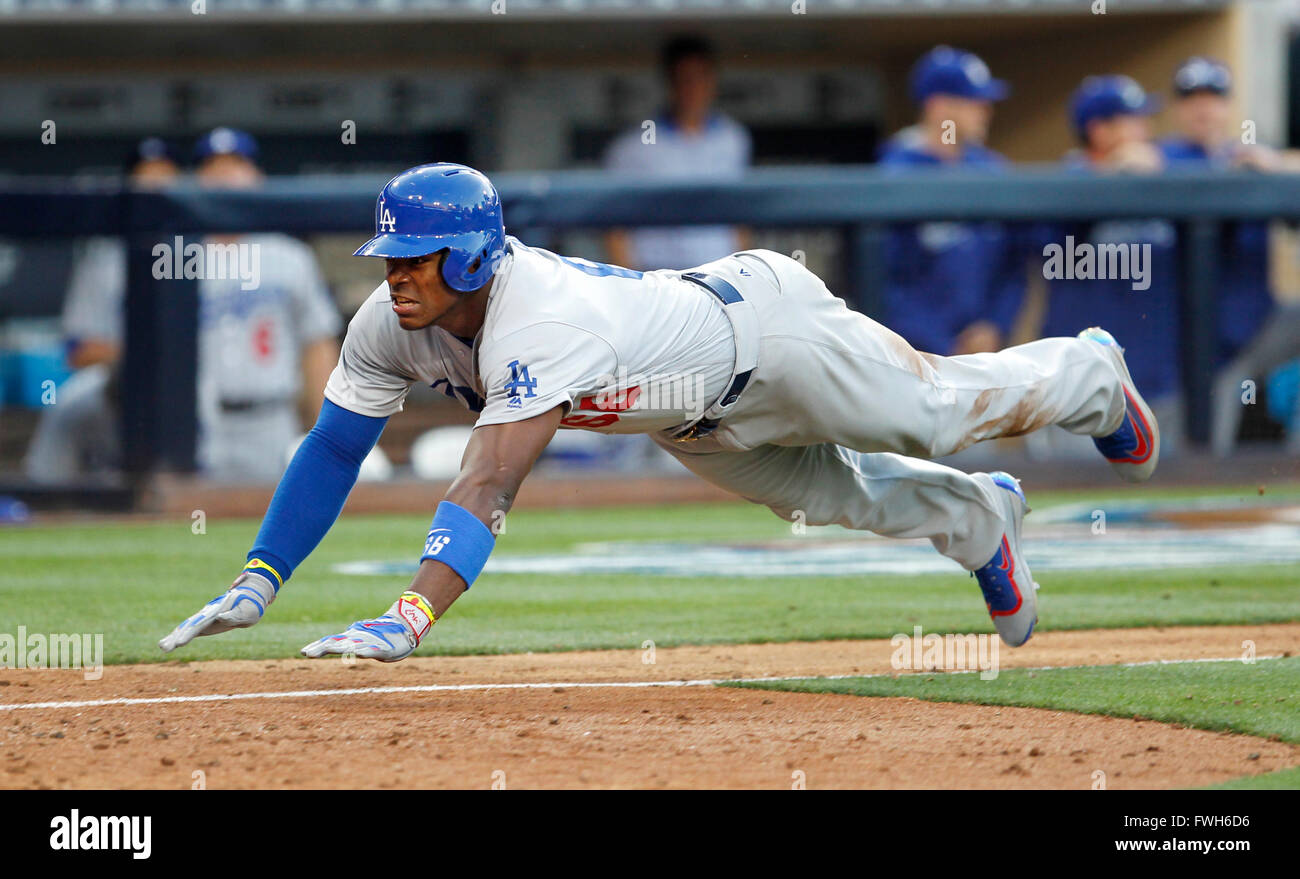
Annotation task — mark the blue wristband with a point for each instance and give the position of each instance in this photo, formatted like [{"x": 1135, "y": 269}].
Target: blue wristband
[{"x": 458, "y": 540}]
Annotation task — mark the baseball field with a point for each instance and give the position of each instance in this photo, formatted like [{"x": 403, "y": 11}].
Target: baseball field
[{"x": 703, "y": 645}]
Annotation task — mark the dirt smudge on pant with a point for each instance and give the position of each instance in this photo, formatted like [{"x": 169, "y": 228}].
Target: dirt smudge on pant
[
  {"x": 919, "y": 364},
  {"x": 1027, "y": 415}
]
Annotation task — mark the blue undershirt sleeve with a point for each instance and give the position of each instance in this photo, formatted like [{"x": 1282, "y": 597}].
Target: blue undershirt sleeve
[{"x": 312, "y": 490}]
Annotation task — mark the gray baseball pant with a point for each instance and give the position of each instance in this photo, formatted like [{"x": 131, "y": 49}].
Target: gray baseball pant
[{"x": 840, "y": 413}]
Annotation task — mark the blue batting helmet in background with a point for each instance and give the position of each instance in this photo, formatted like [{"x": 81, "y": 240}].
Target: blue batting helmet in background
[
  {"x": 151, "y": 149},
  {"x": 226, "y": 141},
  {"x": 441, "y": 207},
  {"x": 1201, "y": 74},
  {"x": 1102, "y": 97},
  {"x": 948, "y": 71}
]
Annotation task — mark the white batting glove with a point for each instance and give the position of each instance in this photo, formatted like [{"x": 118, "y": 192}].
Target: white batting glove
[
  {"x": 238, "y": 608},
  {"x": 389, "y": 638}
]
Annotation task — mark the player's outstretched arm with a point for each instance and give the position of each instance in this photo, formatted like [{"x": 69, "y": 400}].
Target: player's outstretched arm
[
  {"x": 496, "y": 461},
  {"x": 306, "y": 503}
]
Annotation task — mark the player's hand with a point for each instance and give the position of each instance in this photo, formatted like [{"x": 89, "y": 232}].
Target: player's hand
[
  {"x": 978, "y": 338},
  {"x": 1136, "y": 156},
  {"x": 1257, "y": 157},
  {"x": 388, "y": 638},
  {"x": 238, "y": 608}
]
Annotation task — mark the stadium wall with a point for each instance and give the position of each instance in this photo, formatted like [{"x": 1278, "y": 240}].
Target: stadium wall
[{"x": 519, "y": 94}]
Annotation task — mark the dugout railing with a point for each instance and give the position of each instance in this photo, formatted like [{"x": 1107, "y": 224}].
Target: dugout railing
[{"x": 158, "y": 425}]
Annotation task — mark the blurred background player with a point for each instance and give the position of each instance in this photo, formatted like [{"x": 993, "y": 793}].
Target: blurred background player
[
  {"x": 1206, "y": 129},
  {"x": 1111, "y": 119},
  {"x": 1208, "y": 137},
  {"x": 264, "y": 353},
  {"x": 260, "y": 349},
  {"x": 1254, "y": 335},
  {"x": 691, "y": 141},
  {"x": 78, "y": 435},
  {"x": 952, "y": 288},
  {"x": 93, "y": 334}
]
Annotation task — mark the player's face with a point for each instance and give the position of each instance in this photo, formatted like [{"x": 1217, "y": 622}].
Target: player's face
[
  {"x": 155, "y": 173},
  {"x": 969, "y": 117},
  {"x": 1108, "y": 135},
  {"x": 694, "y": 83},
  {"x": 419, "y": 295},
  {"x": 228, "y": 171},
  {"x": 1202, "y": 116}
]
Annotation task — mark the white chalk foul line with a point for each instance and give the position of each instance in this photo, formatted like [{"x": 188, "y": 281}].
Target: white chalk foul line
[
  {"x": 367, "y": 691},
  {"x": 587, "y": 685}
]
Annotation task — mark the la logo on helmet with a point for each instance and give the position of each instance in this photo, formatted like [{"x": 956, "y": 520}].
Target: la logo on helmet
[{"x": 387, "y": 222}]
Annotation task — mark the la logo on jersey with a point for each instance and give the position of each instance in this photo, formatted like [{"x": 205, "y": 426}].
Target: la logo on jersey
[
  {"x": 519, "y": 378},
  {"x": 387, "y": 222}
]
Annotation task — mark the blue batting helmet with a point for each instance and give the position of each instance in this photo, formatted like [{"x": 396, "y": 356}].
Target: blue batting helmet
[
  {"x": 1104, "y": 97},
  {"x": 226, "y": 141},
  {"x": 437, "y": 207},
  {"x": 1201, "y": 74},
  {"x": 948, "y": 71}
]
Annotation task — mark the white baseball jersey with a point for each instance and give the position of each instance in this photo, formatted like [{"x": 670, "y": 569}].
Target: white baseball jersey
[
  {"x": 93, "y": 307},
  {"x": 624, "y": 352},
  {"x": 250, "y": 344},
  {"x": 250, "y": 357},
  {"x": 251, "y": 341}
]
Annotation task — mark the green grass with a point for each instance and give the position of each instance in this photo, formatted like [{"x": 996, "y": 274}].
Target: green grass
[
  {"x": 1282, "y": 779},
  {"x": 1248, "y": 494},
  {"x": 1261, "y": 699},
  {"x": 134, "y": 580}
]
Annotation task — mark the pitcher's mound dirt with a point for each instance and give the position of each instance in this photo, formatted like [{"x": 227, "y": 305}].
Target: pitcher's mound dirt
[
  {"x": 565, "y": 736},
  {"x": 682, "y": 738}
]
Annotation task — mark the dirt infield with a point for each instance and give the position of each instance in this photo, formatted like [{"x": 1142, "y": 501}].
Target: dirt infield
[{"x": 607, "y": 719}]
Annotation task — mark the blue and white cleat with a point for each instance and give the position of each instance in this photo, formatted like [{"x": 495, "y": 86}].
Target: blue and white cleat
[
  {"x": 1009, "y": 589},
  {"x": 1134, "y": 449}
]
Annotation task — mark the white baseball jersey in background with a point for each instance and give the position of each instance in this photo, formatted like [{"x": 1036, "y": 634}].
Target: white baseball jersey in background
[
  {"x": 80, "y": 434},
  {"x": 250, "y": 345},
  {"x": 93, "y": 306},
  {"x": 250, "y": 356},
  {"x": 721, "y": 151},
  {"x": 249, "y": 340},
  {"x": 823, "y": 426}
]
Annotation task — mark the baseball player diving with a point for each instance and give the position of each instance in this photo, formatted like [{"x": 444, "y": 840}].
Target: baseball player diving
[{"x": 806, "y": 406}]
